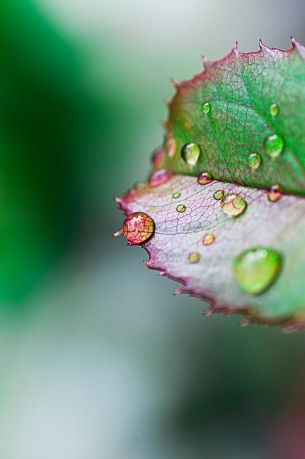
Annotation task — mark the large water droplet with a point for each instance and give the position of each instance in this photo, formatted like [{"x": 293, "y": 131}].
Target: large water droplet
[
  {"x": 176, "y": 195},
  {"x": 208, "y": 239},
  {"x": 160, "y": 176},
  {"x": 275, "y": 193},
  {"x": 181, "y": 208},
  {"x": 194, "y": 257},
  {"x": 138, "y": 228},
  {"x": 233, "y": 205},
  {"x": 158, "y": 157},
  {"x": 274, "y": 109},
  {"x": 190, "y": 153},
  {"x": 254, "y": 160},
  {"x": 219, "y": 194},
  {"x": 256, "y": 269},
  {"x": 206, "y": 108},
  {"x": 274, "y": 145},
  {"x": 171, "y": 147},
  {"x": 204, "y": 178}
]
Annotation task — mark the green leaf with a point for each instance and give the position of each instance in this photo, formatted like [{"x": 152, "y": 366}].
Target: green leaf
[
  {"x": 202, "y": 245},
  {"x": 238, "y": 106}
]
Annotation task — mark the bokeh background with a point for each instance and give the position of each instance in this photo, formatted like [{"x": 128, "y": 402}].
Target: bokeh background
[{"x": 97, "y": 359}]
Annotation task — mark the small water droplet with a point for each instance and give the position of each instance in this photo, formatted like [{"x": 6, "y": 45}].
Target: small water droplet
[
  {"x": 208, "y": 311},
  {"x": 274, "y": 145},
  {"x": 176, "y": 195},
  {"x": 233, "y": 205},
  {"x": 206, "y": 108},
  {"x": 158, "y": 157},
  {"x": 275, "y": 193},
  {"x": 274, "y": 109},
  {"x": 219, "y": 194},
  {"x": 245, "y": 322},
  {"x": 138, "y": 227},
  {"x": 254, "y": 160},
  {"x": 190, "y": 153},
  {"x": 194, "y": 257},
  {"x": 180, "y": 208},
  {"x": 171, "y": 147},
  {"x": 256, "y": 269},
  {"x": 204, "y": 178},
  {"x": 160, "y": 176},
  {"x": 208, "y": 239},
  {"x": 152, "y": 207}
]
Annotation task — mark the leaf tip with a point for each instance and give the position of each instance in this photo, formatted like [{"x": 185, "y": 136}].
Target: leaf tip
[
  {"x": 235, "y": 49},
  {"x": 263, "y": 48},
  {"x": 298, "y": 47},
  {"x": 176, "y": 83},
  {"x": 118, "y": 233},
  {"x": 205, "y": 62}
]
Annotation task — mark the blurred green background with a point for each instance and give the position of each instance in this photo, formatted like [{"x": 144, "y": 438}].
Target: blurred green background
[{"x": 98, "y": 359}]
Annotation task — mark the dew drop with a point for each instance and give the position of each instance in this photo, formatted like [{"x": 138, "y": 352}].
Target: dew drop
[
  {"x": 275, "y": 193},
  {"x": 158, "y": 157},
  {"x": 206, "y": 108},
  {"x": 254, "y": 160},
  {"x": 233, "y": 205},
  {"x": 219, "y": 194},
  {"x": 204, "y": 178},
  {"x": 190, "y": 153},
  {"x": 181, "y": 208},
  {"x": 171, "y": 147},
  {"x": 208, "y": 239},
  {"x": 138, "y": 227},
  {"x": 176, "y": 195},
  {"x": 194, "y": 257},
  {"x": 256, "y": 269},
  {"x": 274, "y": 145},
  {"x": 160, "y": 176},
  {"x": 274, "y": 109},
  {"x": 152, "y": 207}
]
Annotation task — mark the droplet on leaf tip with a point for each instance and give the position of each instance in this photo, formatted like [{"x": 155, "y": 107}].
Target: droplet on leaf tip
[
  {"x": 159, "y": 176},
  {"x": 158, "y": 157},
  {"x": 274, "y": 145},
  {"x": 138, "y": 228},
  {"x": 219, "y": 194},
  {"x": 190, "y": 153},
  {"x": 118, "y": 233},
  {"x": 206, "y": 108},
  {"x": 274, "y": 109},
  {"x": 256, "y": 269},
  {"x": 275, "y": 193},
  {"x": 194, "y": 257},
  {"x": 180, "y": 208},
  {"x": 254, "y": 160},
  {"x": 233, "y": 205},
  {"x": 176, "y": 195},
  {"x": 204, "y": 178},
  {"x": 208, "y": 239}
]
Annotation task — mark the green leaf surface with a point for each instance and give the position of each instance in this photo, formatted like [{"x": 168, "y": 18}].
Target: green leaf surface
[
  {"x": 208, "y": 271},
  {"x": 238, "y": 106}
]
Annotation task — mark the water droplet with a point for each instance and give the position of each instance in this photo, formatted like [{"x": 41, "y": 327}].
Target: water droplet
[
  {"x": 245, "y": 322},
  {"x": 256, "y": 269},
  {"x": 180, "y": 208},
  {"x": 254, "y": 160},
  {"x": 204, "y": 178},
  {"x": 274, "y": 109},
  {"x": 233, "y": 205},
  {"x": 160, "y": 176},
  {"x": 206, "y": 108},
  {"x": 176, "y": 195},
  {"x": 275, "y": 193},
  {"x": 171, "y": 147},
  {"x": 158, "y": 157},
  {"x": 194, "y": 257},
  {"x": 190, "y": 153},
  {"x": 219, "y": 194},
  {"x": 152, "y": 207},
  {"x": 208, "y": 239},
  {"x": 138, "y": 228},
  {"x": 274, "y": 145}
]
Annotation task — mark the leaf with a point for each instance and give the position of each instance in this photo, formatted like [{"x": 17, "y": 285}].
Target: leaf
[
  {"x": 232, "y": 108},
  {"x": 264, "y": 224}
]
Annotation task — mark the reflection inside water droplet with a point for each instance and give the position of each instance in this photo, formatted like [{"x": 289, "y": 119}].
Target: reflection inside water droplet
[
  {"x": 190, "y": 153},
  {"x": 204, "y": 178},
  {"x": 219, "y": 194},
  {"x": 256, "y": 269},
  {"x": 208, "y": 239},
  {"x": 275, "y": 193},
  {"x": 206, "y": 108},
  {"x": 274, "y": 109},
  {"x": 194, "y": 257},
  {"x": 138, "y": 227},
  {"x": 274, "y": 145},
  {"x": 254, "y": 160},
  {"x": 180, "y": 208},
  {"x": 233, "y": 205},
  {"x": 176, "y": 195}
]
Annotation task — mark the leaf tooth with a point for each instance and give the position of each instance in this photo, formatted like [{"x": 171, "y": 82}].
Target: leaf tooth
[
  {"x": 179, "y": 290},
  {"x": 264, "y": 48},
  {"x": 168, "y": 103},
  {"x": 165, "y": 124},
  {"x": 235, "y": 49},
  {"x": 300, "y": 48},
  {"x": 118, "y": 200},
  {"x": 176, "y": 83},
  {"x": 206, "y": 63}
]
